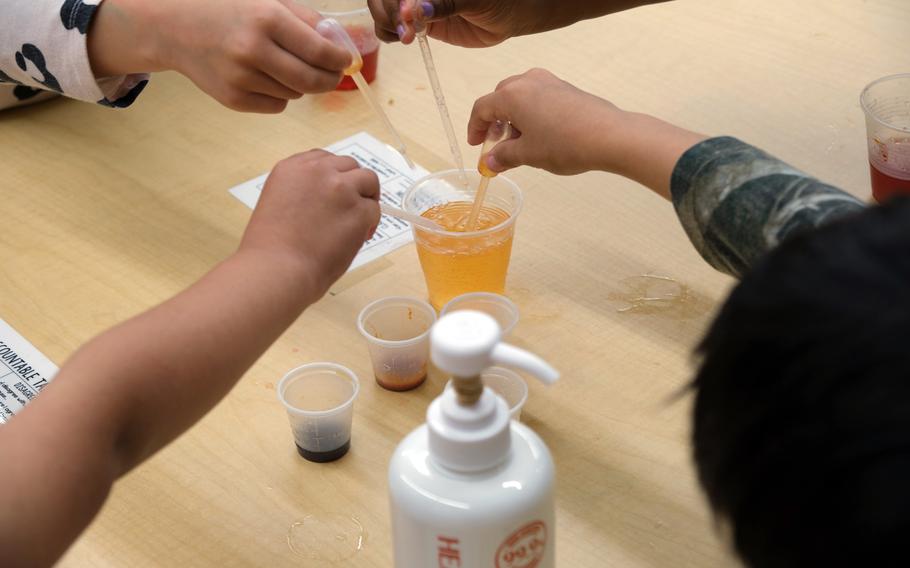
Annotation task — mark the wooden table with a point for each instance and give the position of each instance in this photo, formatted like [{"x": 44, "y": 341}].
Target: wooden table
[{"x": 107, "y": 213}]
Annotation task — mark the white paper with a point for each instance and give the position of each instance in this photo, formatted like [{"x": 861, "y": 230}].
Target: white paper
[
  {"x": 395, "y": 178},
  {"x": 24, "y": 371}
]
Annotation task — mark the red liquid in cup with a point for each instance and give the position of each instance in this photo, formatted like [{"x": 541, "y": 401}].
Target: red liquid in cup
[
  {"x": 885, "y": 186},
  {"x": 889, "y": 164},
  {"x": 362, "y": 37}
]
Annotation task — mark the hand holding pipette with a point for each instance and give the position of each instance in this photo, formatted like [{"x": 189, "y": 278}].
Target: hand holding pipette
[
  {"x": 497, "y": 132},
  {"x": 567, "y": 131},
  {"x": 331, "y": 29},
  {"x": 478, "y": 23},
  {"x": 420, "y": 27}
]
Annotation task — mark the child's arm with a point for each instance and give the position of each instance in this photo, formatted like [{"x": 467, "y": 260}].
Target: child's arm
[
  {"x": 250, "y": 55},
  {"x": 567, "y": 131},
  {"x": 136, "y": 387},
  {"x": 734, "y": 201}
]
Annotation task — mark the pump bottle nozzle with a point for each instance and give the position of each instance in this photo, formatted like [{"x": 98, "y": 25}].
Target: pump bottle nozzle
[{"x": 464, "y": 343}]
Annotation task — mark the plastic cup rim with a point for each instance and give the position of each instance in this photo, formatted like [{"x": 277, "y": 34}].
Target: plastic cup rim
[
  {"x": 340, "y": 369},
  {"x": 509, "y": 373},
  {"x": 390, "y": 343},
  {"x": 513, "y": 216},
  {"x": 342, "y": 13},
  {"x": 494, "y": 299},
  {"x": 869, "y": 112}
]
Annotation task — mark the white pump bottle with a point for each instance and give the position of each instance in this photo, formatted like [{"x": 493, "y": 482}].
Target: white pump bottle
[{"x": 470, "y": 488}]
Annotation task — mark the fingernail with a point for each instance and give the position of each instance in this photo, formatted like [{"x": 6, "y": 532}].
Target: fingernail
[
  {"x": 401, "y": 31},
  {"x": 427, "y": 9},
  {"x": 493, "y": 163}
]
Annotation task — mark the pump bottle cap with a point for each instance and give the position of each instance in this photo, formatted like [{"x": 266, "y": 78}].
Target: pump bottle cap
[
  {"x": 474, "y": 436},
  {"x": 466, "y": 342}
]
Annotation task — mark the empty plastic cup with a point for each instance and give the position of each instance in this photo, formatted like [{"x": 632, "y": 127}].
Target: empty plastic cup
[
  {"x": 502, "y": 309},
  {"x": 456, "y": 261},
  {"x": 355, "y": 16},
  {"x": 886, "y": 103},
  {"x": 319, "y": 398},
  {"x": 507, "y": 384},
  {"x": 397, "y": 330}
]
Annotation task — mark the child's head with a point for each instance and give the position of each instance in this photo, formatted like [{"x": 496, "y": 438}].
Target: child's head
[{"x": 802, "y": 413}]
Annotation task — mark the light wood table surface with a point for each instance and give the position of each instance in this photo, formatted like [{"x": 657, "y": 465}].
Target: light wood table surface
[{"x": 106, "y": 213}]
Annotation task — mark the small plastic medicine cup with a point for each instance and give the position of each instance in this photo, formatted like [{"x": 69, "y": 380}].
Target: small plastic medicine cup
[
  {"x": 397, "y": 330},
  {"x": 509, "y": 385},
  {"x": 886, "y": 103},
  {"x": 319, "y": 398},
  {"x": 355, "y": 16},
  {"x": 502, "y": 309}
]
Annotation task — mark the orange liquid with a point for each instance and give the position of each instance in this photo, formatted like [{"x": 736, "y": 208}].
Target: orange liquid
[{"x": 457, "y": 265}]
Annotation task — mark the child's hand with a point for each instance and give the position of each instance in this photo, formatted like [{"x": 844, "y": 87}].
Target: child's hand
[
  {"x": 468, "y": 23},
  {"x": 559, "y": 127},
  {"x": 315, "y": 212},
  {"x": 250, "y": 55},
  {"x": 481, "y": 23}
]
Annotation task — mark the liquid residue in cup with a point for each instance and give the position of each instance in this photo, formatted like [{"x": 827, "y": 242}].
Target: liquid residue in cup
[
  {"x": 402, "y": 373},
  {"x": 327, "y": 539}
]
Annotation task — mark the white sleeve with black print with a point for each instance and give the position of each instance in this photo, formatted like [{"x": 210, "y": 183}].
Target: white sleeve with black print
[{"x": 43, "y": 51}]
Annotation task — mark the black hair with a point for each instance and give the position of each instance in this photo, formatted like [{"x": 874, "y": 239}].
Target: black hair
[{"x": 802, "y": 409}]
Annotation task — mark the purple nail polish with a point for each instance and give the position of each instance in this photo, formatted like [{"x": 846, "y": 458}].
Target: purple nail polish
[
  {"x": 401, "y": 31},
  {"x": 427, "y": 9}
]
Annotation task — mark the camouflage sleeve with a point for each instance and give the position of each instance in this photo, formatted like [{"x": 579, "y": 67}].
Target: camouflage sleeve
[{"x": 736, "y": 202}]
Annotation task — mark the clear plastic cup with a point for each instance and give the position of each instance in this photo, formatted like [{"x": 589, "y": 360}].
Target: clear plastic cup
[
  {"x": 509, "y": 385},
  {"x": 319, "y": 398},
  {"x": 355, "y": 16},
  {"x": 454, "y": 262},
  {"x": 397, "y": 330},
  {"x": 886, "y": 103},
  {"x": 502, "y": 309}
]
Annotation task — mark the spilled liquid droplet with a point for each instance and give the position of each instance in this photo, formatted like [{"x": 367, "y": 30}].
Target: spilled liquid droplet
[
  {"x": 656, "y": 294},
  {"x": 329, "y": 538}
]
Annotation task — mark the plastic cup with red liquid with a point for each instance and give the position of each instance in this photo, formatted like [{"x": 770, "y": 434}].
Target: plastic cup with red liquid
[
  {"x": 886, "y": 103},
  {"x": 355, "y": 16}
]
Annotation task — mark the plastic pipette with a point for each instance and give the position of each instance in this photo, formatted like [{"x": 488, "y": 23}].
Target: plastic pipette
[
  {"x": 421, "y": 32},
  {"x": 332, "y": 30},
  {"x": 497, "y": 132},
  {"x": 411, "y": 218}
]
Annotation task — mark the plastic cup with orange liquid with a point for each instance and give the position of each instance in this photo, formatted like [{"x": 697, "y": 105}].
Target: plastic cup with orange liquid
[
  {"x": 886, "y": 103},
  {"x": 319, "y": 399},
  {"x": 456, "y": 261},
  {"x": 355, "y": 16}
]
